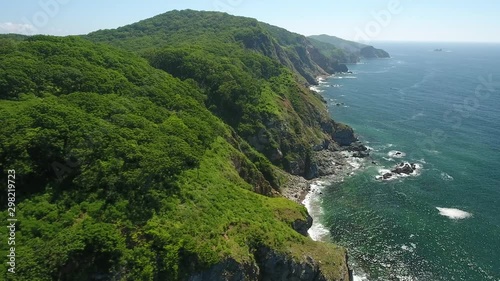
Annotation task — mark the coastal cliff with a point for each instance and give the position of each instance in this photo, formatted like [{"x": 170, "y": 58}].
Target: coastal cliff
[
  {"x": 161, "y": 150},
  {"x": 347, "y": 51},
  {"x": 370, "y": 52}
]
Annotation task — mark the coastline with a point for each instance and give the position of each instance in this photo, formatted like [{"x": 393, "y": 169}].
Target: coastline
[
  {"x": 333, "y": 166},
  {"x": 309, "y": 192}
]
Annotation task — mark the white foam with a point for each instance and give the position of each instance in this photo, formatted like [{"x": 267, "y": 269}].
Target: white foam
[
  {"x": 432, "y": 151},
  {"x": 396, "y": 154},
  {"x": 315, "y": 89},
  {"x": 318, "y": 232},
  {"x": 312, "y": 202},
  {"x": 416, "y": 172},
  {"x": 355, "y": 163},
  {"x": 446, "y": 177},
  {"x": 407, "y": 248},
  {"x": 420, "y": 114},
  {"x": 359, "y": 278},
  {"x": 345, "y": 77},
  {"x": 454, "y": 214}
]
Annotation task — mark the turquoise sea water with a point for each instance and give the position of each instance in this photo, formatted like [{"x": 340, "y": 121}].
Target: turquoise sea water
[{"x": 429, "y": 105}]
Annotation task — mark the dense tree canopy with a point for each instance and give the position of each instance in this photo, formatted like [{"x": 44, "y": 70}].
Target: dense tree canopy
[{"x": 149, "y": 154}]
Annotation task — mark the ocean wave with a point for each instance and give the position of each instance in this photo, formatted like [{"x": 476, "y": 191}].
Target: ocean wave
[
  {"x": 446, "y": 177},
  {"x": 454, "y": 214},
  {"x": 360, "y": 278},
  {"x": 316, "y": 89},
  {"x": 318, "y": 232},
  {"x": 432, "y": 151},
  {"x": 345, "y": 77},
  {"x": 420, "y": 114},
  {"x": 407, "y": 248},
  {"x": 396, "y": 154},
  {"x": 422, "y": 161},
  {"x": 389, "y": 145},
  {"x": 312, "y": 202},
  {"x": 382, "y": 172}
]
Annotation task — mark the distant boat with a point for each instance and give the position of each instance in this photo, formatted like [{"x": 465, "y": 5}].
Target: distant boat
[{"x": 438, "y": 50}]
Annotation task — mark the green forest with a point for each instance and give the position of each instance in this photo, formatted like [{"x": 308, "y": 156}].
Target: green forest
[{"x": 158, "y": 150}]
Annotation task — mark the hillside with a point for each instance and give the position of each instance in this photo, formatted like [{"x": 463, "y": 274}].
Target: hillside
[
  {"x": 353, "y": 49},
  {"x": 254, "y": 77},
  {"x": 158, "y": 151}
]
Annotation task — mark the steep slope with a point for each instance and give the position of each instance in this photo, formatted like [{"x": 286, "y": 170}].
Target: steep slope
[
  {"x": 254, "y": 77},
  {"x": 326, "y": 56},
  {"x": 122, "y": 173},
  {"x": 354, "y": 49}
]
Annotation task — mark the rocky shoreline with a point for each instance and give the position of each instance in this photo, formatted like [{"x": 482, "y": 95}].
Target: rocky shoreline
[{"x": 330, "y": 165}]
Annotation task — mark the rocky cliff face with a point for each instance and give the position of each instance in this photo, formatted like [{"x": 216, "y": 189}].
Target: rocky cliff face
[
  {"x": 277, "y": 267},
  {"x": 229, "y": 270},
  {"x": 269, "y": 265}
]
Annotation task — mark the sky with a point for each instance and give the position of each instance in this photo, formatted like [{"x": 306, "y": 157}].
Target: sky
[{"x": 359, "y": 20}]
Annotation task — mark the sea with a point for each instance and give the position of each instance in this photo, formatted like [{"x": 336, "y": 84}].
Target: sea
[{"x": 439, "y": 110}]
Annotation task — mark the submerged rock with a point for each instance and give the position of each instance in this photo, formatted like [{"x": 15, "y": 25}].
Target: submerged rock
[
  {"x": 404, "y": 168},
  {"x": 387, "y": 176}
]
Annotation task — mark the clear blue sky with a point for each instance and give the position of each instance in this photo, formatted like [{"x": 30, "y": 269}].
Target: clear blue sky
[{"x": 399, "y": 20}]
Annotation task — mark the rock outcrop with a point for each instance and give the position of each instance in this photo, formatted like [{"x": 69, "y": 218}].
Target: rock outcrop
[
  {"x": 229, "y": 270},
  {"x": 302, "y": 226},
  {"x": 277, "y": 267},
  {"x": 268, "y": 265},
  {"x": 341, "y": 68},
  {"x": 404, "y": 168},
  {"x": 344, "y": 136}
]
